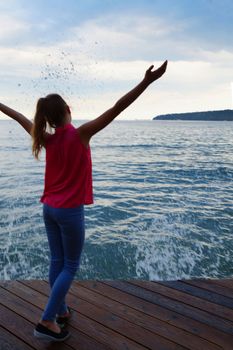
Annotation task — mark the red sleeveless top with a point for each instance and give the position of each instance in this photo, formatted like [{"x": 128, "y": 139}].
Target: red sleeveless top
[{"x": 68, "y": 170}]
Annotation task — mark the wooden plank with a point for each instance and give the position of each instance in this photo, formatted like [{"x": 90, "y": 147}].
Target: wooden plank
[
  {"x": 194, "y": 327},
  {"x": 21, "y": 306},
  {"x": 105, "y": 309},
  {"x": 174, "y": 305},
  {"x": 228, "y": 283},
  {"x": 24, "y": 308},
  {"x": 9, "y": 342},
  {"x": 23, "y": 329},
  {"x": 81, "y": 322},
  {"x": 120, "y": 325},
  {"x": 202, "y": 294},
  {"x": 212, "y": 287},
  {"x": 28, "y": 297},
  {"x": 177, "y": 291},
  {"x": 152, "y": 324},
  {"x": 24, "y": 293}
]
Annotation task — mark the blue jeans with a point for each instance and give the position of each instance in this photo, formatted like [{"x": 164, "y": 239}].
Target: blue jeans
[{"x": 66, "y": 233}]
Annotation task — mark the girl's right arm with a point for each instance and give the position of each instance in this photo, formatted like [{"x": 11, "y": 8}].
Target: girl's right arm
[
  {"x": 87, "y": 130},
  {"x": 20, "y": 118}
]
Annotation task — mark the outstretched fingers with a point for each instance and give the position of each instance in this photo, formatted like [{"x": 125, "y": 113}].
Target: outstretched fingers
[
  {"x": 150, "y": 68},
  {"x": 163, "y": 67},
  {"x": 152, "y": 75}
]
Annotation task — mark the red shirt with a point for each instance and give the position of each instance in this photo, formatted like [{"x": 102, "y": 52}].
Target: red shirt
[{"x": 68, "y": 171}]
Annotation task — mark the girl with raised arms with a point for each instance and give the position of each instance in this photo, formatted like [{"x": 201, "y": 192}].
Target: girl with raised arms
[{"x": 67, "y": 188}]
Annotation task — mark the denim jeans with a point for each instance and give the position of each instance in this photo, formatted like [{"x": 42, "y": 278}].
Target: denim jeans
[{"x": 66, "y": 233}]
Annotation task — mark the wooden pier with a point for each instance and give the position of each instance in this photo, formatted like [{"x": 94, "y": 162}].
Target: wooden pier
[{"x": 123, "y": 315}]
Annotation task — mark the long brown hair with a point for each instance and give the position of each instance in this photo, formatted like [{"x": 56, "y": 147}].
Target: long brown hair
[{"x": 50, "y": 110}]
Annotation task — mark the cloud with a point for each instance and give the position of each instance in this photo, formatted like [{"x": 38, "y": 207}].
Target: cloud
[
  {"x": 11, "y": 27},
  {"x": 100, "y": 59},
  {"x": 125, "y": 37},
  {"x": 138, "y": 37}
]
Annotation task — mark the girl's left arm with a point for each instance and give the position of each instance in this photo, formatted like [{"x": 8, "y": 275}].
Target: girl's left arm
[{"x": 20, "y": 118}]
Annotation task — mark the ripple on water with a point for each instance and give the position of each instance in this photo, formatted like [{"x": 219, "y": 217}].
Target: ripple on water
[{"x": 163, "y": 203}]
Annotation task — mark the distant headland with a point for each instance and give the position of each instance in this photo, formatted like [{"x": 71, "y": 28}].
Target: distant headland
[{"x": 223, "y": 115}]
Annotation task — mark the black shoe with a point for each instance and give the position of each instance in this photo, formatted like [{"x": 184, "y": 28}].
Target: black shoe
[
  {"x": 63, "y": 320},
  {"x": 44, "y": 333}
]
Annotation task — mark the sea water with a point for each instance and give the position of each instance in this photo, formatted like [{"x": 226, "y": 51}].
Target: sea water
[{"x": 163, "y": 203}]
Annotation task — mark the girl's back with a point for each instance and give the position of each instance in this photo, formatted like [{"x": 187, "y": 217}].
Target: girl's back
[{"x": 68, "y": 177}]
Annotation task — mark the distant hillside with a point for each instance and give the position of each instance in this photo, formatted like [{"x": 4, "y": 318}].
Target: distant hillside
[{"x": 226, "y": 114}]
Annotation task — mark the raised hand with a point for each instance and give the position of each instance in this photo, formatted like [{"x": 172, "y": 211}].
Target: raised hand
[{"x": 151, "y": 76}]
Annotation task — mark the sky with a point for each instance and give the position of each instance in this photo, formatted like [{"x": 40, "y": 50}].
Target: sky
[{"x": 92, "y": 52}]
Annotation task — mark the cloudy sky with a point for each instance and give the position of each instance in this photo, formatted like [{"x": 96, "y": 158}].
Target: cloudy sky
[{"x": 94, "y": 51}]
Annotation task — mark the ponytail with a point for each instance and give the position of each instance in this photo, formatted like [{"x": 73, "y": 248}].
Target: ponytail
[
  {"x": 50, "y": 110},
  {"x": 39, "y": 129}
]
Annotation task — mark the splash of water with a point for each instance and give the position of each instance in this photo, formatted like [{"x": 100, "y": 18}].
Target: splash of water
[{"x": 169, "y": 250}]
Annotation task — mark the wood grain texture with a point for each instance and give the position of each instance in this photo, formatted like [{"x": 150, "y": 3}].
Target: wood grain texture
[{"x": 126, "y": 315}]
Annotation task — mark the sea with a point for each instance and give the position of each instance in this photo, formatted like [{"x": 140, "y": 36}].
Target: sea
[{"x": 163, "y": 210}]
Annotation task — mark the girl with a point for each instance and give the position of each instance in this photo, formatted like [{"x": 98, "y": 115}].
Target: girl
[{"x": 67, "y": 188}]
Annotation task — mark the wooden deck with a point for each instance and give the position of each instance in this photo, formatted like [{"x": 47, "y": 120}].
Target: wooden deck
[{"x": 134, "y": 314}]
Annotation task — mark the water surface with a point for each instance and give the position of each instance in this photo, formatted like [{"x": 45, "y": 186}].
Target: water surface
[{"x": 163, "y": 203}]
